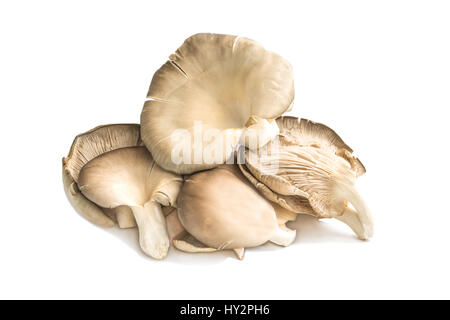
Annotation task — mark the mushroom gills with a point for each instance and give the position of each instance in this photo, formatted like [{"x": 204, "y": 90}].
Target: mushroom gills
[{"x": 309, "y": 169}]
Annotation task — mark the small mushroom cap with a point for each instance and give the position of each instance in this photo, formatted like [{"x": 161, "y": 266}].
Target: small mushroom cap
[
  {"x": 127, "y": 176},
  {"x": 86, "y": 147},
  {"x": 220, "y": 81},
  {"x": 221, "y": 209}
]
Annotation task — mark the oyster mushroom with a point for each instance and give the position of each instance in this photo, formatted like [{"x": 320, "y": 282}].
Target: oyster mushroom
[
  {"x": 222, "y": 210},
  {"x": 309, "y": 169},
  {"x": 214, "y": 92},
  {"x": 86, "y": 147},
  {"x": 183, "y": 241},
  {"x": 129, "y": 177}
]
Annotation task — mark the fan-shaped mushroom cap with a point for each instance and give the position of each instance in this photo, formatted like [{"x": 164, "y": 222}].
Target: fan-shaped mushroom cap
[
  {"x": 86, "y": 147},
  {"x": 223, "y": 85},
  {"x": 222, "y": 210},
  {"x": 310, "y": 161},
  {"x": 129, "y": 177}
]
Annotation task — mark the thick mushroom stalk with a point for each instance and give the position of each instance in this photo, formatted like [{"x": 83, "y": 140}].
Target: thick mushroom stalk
[
  {"x": 153, "y": 236},
  {"x": 258, "y": 132},
  {"x": 203, "y": 97},
  {"x": 130, "y": 177},
  {"x": 360, "y": 221}
]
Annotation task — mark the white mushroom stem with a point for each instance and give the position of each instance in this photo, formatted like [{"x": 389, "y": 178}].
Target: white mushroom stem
[
  {"x": 360, "y": 220},
  {"x": 350, "y": 217},
  {"x": 129, "y": 177},
  {"x": 153, "y": 236},
  {"x": 259, "y": 132}
]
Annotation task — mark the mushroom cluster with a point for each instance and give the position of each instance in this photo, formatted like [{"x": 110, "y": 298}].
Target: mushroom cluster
[{"x": 214, "y": 165}]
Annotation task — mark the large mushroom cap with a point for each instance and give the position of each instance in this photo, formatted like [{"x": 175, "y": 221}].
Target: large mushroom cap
[
  {"x": 309, "y": 161},
  {"x": 129, "y": 177},
  {"x": 86, "y": 147},
  {"x": 214, "y": 82},
  {"x": 221, "y": 209}
]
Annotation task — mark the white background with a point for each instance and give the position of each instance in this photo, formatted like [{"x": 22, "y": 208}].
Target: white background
[{"x": 378, "y": 72}]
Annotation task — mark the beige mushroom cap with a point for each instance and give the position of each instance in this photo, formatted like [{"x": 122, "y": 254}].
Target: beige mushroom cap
[
  {"x": 221, "y": 209},
  {"x": 310, "y": 161},
  {"x": 183, "y": 241},
  {"x": 226, "y": 83},
  {"x": 129, "y": 177},
  {"x": 86, "y": 147}
]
